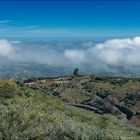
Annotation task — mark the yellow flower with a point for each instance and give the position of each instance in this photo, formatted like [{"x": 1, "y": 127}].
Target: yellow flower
[
  {"x": 53, "y": 118},
  {"x": 41, "y": 114}
]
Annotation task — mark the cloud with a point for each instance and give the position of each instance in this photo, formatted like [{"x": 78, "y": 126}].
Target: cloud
[
  {"x": 118, "y": 51},
  {"x": 76, "y": 56},
  {"x": 15, "y": 42},
  {"x": 30, "y": 27},
  {"x": 9, "y": 52},
  {"x": 5, "y": 21},
  {"x": 114, "y": 52},
  {"x": 6, "y": 48}
]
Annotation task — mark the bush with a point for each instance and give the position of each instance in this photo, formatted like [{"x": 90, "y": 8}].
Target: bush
[
  {"x": 102, "y": 93},
  {"x": 8, "y": 89},
  {"x": 36, "y": 116},
  {"x": 118, "y": 81},
  {"x": 16, "y": 124}
]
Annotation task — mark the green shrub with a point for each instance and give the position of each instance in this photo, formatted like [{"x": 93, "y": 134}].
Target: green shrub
[
  {"x": 17, "y": 122},
  {"x": 8, "y": 89},
  {"x": 102, "y": 93},
  {"x": 36, "y": 116}
]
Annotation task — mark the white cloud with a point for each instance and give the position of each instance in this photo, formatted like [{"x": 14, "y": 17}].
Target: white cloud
[
  {"x": 15, "y": 42},
  {"x": 136, "y": 41},
  {"x": 76, "y": 56},
  {"x": 5, "y": 48},
  {"x": 30, "y": 27},
  {"x": 119, "y": 51},
  {"x": 5, "y": 21},
  {"x": 124, "y": 52},
  {"x": 120, "y": 43}
]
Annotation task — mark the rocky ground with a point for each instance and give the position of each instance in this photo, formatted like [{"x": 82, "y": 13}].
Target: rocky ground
[{"x": 116, "y": 97}]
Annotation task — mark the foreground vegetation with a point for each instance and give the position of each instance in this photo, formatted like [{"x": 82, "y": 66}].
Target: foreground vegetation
[{"x": 34, "y": 115}]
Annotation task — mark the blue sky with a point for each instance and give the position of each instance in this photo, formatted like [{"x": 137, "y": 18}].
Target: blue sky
[{"x": 69, "y": 19}]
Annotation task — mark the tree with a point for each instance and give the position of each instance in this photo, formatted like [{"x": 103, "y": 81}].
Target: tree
[
  {"x": 75, "y": 72},
  {"x": 92, "y": 77}
]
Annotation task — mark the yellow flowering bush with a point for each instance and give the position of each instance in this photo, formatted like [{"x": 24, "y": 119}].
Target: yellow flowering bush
[{"x": 53, "y": 118}]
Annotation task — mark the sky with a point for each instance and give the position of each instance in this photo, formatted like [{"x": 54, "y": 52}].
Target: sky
[
  {"x": 69, "y": 18},
  {"x": 107, "y": 33}
]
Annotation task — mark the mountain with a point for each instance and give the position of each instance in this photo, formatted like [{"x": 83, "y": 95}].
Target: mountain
[{"x": 70, "y": 108}]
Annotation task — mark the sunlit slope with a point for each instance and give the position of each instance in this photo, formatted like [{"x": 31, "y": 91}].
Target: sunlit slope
[{"x": 30, "y": 114}]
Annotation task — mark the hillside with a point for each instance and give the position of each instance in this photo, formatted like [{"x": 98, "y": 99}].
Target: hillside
[{"x": 68, "y": 108}]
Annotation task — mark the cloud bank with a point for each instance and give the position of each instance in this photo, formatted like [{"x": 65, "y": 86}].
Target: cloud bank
[
  {"x": 119, "y": 51},
  {"x": 6, "y": 49},
  {"x": 115, "y": 52}
]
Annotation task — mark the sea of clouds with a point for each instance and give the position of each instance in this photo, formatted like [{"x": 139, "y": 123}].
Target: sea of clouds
[{"x": 115, "y": 52}]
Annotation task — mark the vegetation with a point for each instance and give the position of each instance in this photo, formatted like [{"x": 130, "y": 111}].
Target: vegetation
[
  {"x": 32, "y": 114},
  {"x": 75, "y": 72}
]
